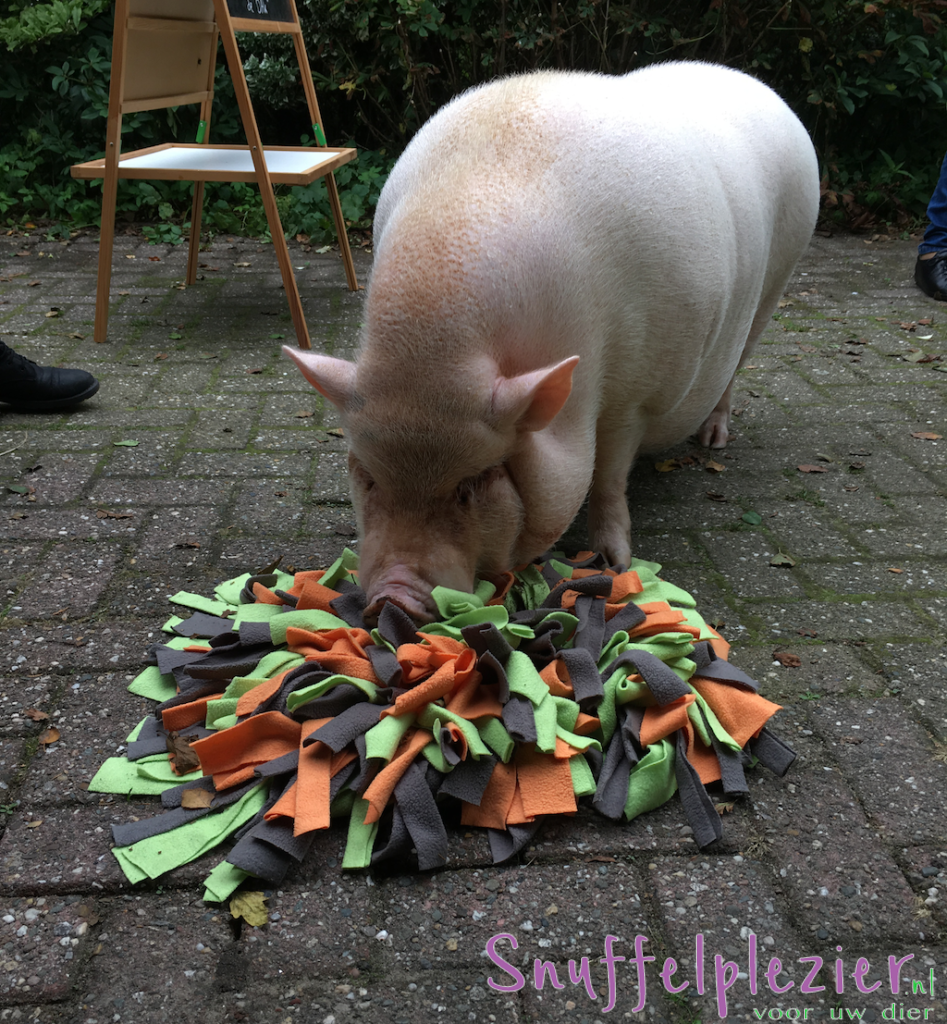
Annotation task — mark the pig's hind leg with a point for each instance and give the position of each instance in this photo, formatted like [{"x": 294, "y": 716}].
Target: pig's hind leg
[{"x": 715, "y": 430}]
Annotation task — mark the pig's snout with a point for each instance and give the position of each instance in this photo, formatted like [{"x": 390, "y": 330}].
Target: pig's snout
[{"x": 408, "y": 592}]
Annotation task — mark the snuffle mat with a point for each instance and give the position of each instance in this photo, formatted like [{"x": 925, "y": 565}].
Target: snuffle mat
[{"x": 278, "y": 710}]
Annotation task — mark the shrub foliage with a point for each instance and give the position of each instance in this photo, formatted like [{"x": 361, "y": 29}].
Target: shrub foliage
[{"x": 868, "y": 80}]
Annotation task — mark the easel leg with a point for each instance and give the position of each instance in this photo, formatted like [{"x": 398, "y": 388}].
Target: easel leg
[
  {"x": 106, "y": 244},
  {"x": 336, "y": 207},
  {"x": 285, "y": 266},
  {"x": 194, "y": 243}
]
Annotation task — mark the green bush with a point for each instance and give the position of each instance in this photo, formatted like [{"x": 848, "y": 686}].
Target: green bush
[{"x": 867, "y": 78}]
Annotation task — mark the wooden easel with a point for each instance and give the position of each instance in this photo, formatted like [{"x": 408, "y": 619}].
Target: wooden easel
[{"x": 164, "y": 53}]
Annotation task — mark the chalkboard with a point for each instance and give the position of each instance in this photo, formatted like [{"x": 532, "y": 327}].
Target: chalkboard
[{"x": 261, "y": 10}]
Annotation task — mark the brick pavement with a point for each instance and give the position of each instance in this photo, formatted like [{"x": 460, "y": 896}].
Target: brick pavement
[{"x": 233, "y": 466}]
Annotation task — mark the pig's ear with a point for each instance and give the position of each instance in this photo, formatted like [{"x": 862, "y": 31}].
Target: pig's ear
[
  {"x": 533, "y": 400},
  {"x": 334, "y": 378}
]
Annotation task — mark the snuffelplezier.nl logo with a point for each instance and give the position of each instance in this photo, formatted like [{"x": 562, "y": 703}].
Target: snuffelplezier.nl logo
[{"x": 713, "y": 974}]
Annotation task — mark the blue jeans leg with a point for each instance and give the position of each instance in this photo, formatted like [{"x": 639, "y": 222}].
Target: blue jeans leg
[{"x": 935, "y": 237}]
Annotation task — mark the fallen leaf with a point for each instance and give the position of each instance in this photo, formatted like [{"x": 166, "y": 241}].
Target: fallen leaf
[
  {"x": 188, "y": 544},
  {"x": 175, "y": 337},
  {"x": 782, "y": 561},
  {"x": 50, "y": 735},
  {"x": 805, "y": 631},
  {"x": 854, "y": 740},
  {"x": 926, "y": 322},
  {"x": 18, "y": 488},
  {"x": 193, "y": 799},
  {"x": 812, "y": 469},
  {"x": 926, "y": 435},
  {"x": 753, "y": 518},
  {"x": 34, "y": 824},
  {"x": 898, "y": 571},
  {"x": 277, "y": 337},
  {"x": 180, "y": 753},
  {"x": 103, "y": 513},
  {"x": 160, "y": 356},
  {"x": 787, "y": 659},
  {"x": 856, "y": 465},
  {"x": 724, "y": 808},
  {"x": 75, "y": 334},
  {"x": 714, "y": 467},
  {"x": 125, "y": 444},
  {"x": 241, "y": 264},
  {"x": 36, "y": 716},
  {"x": 251, "y": 906},
  {"x": 19, "y": 515},
  {"x": 667, "y": 466},
  {"x": 716, "y": 496},
  {"x": 52, "y": 313},
  {"x": 451, "y": 945},
  {"x": 303, "y": 415},
  {"x": 32, "y": 284},
  {"x": 257, "y": 370},
  {"x": 335, "y": 432},
  {"x": 852, "y": 488},
  {"x": 155, "y": 259}
]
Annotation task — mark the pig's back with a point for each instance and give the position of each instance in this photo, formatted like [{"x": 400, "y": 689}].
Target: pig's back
[{"x": 615, "y": 217}]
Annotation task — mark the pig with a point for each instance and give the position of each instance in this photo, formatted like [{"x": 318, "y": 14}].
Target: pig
[{"x": 569, "y": 269}]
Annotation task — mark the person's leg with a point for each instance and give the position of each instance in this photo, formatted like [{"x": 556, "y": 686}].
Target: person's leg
[
  {"x": 31, "y": 388},
  {"x": 930, "y": 270}
]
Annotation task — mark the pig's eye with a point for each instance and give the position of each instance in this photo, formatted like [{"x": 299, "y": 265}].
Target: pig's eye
[{"x": 362, "y": 477}]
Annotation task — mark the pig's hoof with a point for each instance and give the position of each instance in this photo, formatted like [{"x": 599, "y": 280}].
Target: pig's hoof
[{"x": 715, "y": 430}]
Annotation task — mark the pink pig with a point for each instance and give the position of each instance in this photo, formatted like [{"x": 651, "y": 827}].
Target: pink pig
[{"x": 569, "y": 269}]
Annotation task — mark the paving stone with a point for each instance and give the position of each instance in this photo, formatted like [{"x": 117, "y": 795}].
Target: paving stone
[
  {"x": 43, "y": 942},
  {"x": 892, "y": 770},
  {"x": 69, "y": 580}
]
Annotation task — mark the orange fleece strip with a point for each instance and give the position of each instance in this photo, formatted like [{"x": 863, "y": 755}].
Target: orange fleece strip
[
  {"x": 433, "y": 688},
  {"x": 659, "y": 722},
  {"x": 517, "y": 815},
  {"x": 252, "y": 699},
  {"x": 312, "y": 781},
  {"x": 264, "y": 595},
  {"x": 544, "y": 782},
  {"x": 420, "y": 660},
  {"x": 474, "y": 700},
  {"x": 495, "y": 804},
  {"x": 662, "y": 618},
  {"x": 194, "y": 713},
  {"x": 383, "y": 785},
  {"x": 741, "y": 712},
  {"x": 339, "y": 650},
  {"x": 624, "y": 586},
  {"x": 312, "y": 594},
  {"x": 285, "y": 807},
  {"x": 720, "y": 646},
  {"x": 556, "y": 676},
  {"x": 253, "y": 741},
  {"x": 704, "y": 760},
  {"x": 197, "y": 648},
  {"x": 235, "y": 778},
  {"x": 585, "y": 724}
]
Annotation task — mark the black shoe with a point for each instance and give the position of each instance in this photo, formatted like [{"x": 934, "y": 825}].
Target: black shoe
[
  {"x": 930, "y": 275},
  {"x": 32, "y": 388}
]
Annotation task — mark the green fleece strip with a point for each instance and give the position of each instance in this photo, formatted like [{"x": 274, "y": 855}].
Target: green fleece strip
[
  {"x": 156, "y": 855},
  {"x": 382, "y": 740},
  {"x": 152, "y": 684},
  {"x": 120, "y": 776},
  {"x": 200, "y": 603},
  {"x": 435, "y": 756},
  {"x": 544, "y": 715},
  {"x": 452, "y": 627},
  {"x": 257, "y": 613},
  {"x": 652, "y": 781},
  {"x": 714, "y": 722},
  {"x": 430, "y": 714},
  {"x": 524, "y": 679},
  {"x": 221, "y": 714},
  {"x": 583, "y": 781},
  {"x": 493, "y": 733},
  {"x": 567, "y": 712},
  {"x": 361, "y": 838},
  {"x": 308, "y": 693},
  {"x": 341, "y": 569},
  {"x": 222, "y": 881},
  {"x": 311, "y": 619},
  {"x": 230, "y": 590},
  {"x": 582, "y": 743},
  {"x": 269, "y": 665}
]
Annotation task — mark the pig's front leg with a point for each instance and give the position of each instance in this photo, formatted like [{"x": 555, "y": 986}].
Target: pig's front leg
[{"x": 618, "y": 439}]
